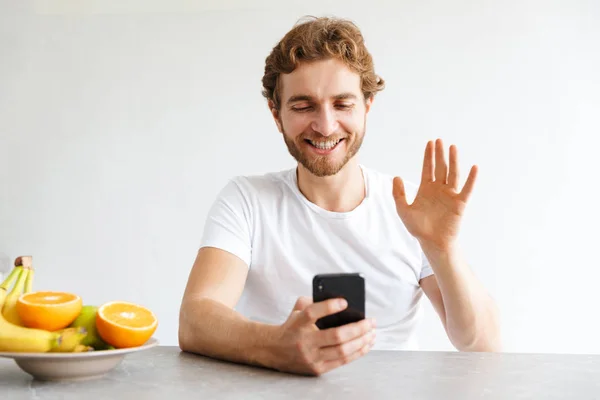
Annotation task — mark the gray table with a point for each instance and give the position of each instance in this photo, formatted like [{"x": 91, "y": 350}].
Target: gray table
[{"x": 167, "y": 373}]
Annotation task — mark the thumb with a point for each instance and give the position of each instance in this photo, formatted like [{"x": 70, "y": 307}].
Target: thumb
[{"x": 399, "y": 195}]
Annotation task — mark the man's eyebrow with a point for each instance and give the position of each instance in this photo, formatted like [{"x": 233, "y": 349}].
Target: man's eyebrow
[
  {"x": 299, "y": 97},
  {"x": 303, "y": 97},
  {"x": 345, "y": 96}
]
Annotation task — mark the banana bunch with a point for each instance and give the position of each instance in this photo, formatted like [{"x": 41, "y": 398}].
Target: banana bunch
[{"x": 14, "y": 337}]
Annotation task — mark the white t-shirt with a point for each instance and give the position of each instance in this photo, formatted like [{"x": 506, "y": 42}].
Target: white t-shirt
[{"x": 285, "y": 240}]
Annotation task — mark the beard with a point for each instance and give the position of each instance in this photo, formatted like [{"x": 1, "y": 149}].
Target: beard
[{"x": 323, "y": 165}]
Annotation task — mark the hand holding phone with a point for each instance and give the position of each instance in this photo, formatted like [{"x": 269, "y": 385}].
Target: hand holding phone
[
  {"x": 299, "y": 346},
  {"x": 348, "y": 286}
]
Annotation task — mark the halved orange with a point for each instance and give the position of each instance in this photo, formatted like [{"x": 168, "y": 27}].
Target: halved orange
[
  {"x": 124, "y": 324},
  {"x": 48, "y": 310}
]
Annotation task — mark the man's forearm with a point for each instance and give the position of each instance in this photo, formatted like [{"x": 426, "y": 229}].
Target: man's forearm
[
  {"x": 211, "y": 328},
  {"x": 471, "y": 314}
]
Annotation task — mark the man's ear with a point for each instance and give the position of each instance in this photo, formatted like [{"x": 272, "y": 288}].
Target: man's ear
[
  {"x": 369, "y": 103},
  {"x": 276, "y": 115}
]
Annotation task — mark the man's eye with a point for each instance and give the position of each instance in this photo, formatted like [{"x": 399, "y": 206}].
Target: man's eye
[
  {"x": 301, "y": 109},
  {"x": 344, "y": 106}
]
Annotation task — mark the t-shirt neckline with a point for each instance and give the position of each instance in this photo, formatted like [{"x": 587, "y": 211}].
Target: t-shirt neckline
[{"x": 292, "y": 173}]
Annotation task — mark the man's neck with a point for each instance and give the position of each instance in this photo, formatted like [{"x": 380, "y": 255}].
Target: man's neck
[{"x": 341, "y": 192}]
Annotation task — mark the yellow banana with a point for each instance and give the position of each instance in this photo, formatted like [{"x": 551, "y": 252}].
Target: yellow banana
[
  {"x": 27, "y": 261},
  {"x": 24, "y": 284},
  {"x": 14, "y": 338},
  {"x": 29, "y": 342},
  {"x": 29, "y": 281},
  {"x": 70, "y": 339},
  {"x": 9, "y": 309},
  {"x": 81, "y": 348},
  {"x": 10, "y": 279}
]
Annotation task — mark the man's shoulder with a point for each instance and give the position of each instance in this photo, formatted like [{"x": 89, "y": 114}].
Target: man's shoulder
[{"x": 261, "y": 184}]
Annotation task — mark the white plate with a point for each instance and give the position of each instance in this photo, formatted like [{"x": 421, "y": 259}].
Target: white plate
[{"x": 73, "y": 366}]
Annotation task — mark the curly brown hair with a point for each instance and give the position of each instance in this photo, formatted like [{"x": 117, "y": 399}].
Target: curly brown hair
[{"x": 318, "y": 39}]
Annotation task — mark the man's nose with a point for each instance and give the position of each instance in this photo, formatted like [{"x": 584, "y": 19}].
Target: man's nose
[{"x": 325, "y": 122}]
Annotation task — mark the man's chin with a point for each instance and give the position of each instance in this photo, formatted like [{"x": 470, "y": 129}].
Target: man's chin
[
  {"x": 323, "y": 168},
  {"x": 321, "y": 165}
]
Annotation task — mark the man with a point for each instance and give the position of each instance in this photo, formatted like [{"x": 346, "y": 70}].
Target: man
[{"x": 248, "y": 295}]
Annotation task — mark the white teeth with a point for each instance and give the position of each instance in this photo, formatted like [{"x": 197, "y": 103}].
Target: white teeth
[{"x": 325, "y": 145}]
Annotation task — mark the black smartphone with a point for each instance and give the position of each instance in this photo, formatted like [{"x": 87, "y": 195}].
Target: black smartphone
[{"x": 350, "y": 286}]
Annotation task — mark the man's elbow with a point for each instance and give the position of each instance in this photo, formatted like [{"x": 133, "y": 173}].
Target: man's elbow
[
  {"x": 184, "y": 343},
  {"x": 184, "y": 332},
  {"x": 488, "y": 343},
  {"x": 484, "y": 337}
]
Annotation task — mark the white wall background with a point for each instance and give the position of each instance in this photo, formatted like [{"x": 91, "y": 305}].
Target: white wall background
[{"x": 119, "y": 122}]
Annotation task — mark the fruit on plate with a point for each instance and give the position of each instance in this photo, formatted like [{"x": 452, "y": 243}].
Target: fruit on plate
[
  {"x": 9, "y": 309},
  {"x": 72, "y": 338},
  {"x": 15, "y": 338},
  {"x": 56, "y": 321},
  {"x": 80, "y": 348},
  {"x": 87, "y": 320},
  {"x": 49, "y": 310},
  {"x": 124, "y": 324}
]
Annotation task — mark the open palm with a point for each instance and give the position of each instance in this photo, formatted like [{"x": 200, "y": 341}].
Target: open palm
[{"x": 435, "y": 214}]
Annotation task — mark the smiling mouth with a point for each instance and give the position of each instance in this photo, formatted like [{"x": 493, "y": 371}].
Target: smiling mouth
[{"x": 323, "y": 144}]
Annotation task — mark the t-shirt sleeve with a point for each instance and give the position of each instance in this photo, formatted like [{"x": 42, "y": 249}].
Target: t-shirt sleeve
[{"x": 228, "y": 223}]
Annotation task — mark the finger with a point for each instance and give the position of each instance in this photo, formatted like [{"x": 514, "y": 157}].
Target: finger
[
  {"x": 399, "y": 195},
  {"x": 346, "y": 349},
  {"x": 329, "y": 365},
  {"x": 302, "y": 303},
  {"x": 441, "y": 168},
  {"x": 321, "y": 309},
  {"x": 453, "y": 172},
  {"x": 469, "y": 184},
  {"x": 427, "y": 173},
  {"x": 345, "y": 333}
]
